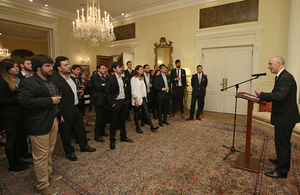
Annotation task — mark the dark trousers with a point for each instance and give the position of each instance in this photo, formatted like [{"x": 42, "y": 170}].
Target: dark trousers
[
  {"x": 77, "y": 124},
  {"x": 24, "y": 143},
  {"x": 163, "y": 108},
  {"x": 101, "y": 120},
  {"x": 193, "y": 105},
  {"x": 14, "y": 129},
  {"x": 283, "y": 148},
  {"x": 145, "y": 113},
  {"x": 118, "y": 116},
  {"x": 177, "y": 91}
]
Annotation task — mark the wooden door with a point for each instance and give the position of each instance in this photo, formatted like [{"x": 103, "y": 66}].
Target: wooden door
[{"x": 107, "y": 60}]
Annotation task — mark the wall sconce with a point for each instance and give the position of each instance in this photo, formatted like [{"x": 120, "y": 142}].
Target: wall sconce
[{"x": 84, "y": 60}]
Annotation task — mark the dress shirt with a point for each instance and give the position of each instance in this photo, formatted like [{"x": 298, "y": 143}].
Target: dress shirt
[
  {"x": 121, "y": 88},
  {"x": 26, "y": 75},
  {"x": 165, "y": 81},
  {"x": 179, "y": 84},
  {"x": 199, "y": 77},
  {"x": 278, "y": 73},
  {"x": 73, "y": 87},
  {"x": 147, "y": 79}
]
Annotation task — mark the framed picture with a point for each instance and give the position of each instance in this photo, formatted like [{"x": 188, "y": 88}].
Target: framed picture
[{"x": 85, "y": 67}]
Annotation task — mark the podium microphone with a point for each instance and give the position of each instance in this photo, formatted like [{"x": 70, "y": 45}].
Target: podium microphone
[{"x": 259, "y": 74}]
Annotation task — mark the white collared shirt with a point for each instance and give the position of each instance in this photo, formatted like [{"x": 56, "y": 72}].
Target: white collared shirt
[
  {"x": 26, "y": 75},
  {"x": 278, "y": 73},
  {"x": 73, "y": 87},
  {"x": 121, "y": 88},
  {"x": 179, "y": 82}
]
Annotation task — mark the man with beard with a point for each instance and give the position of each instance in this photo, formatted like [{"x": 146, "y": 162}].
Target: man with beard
[
  {"x": 37, "y": 97},
  {"x": 115, "y": 91},
  {"x": 69, "y": 110},
  {"x": 128, "y": 74}
]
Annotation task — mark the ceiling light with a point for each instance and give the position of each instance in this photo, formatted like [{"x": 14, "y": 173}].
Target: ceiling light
[
  {"x": 31, "y": 0},
  {"x": 0, "y": 33},
  {"x": 92, "y": 27},
  {"x": 3, "y": 52},
  {"x": 46, "y": 5},
  {"x": 123, "y": 14}
]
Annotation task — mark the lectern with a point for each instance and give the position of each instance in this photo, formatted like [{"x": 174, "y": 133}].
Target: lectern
[{"x": 245, "y": 161}]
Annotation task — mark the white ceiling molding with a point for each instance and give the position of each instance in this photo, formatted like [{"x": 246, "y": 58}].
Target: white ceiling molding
[{"x": 25, "y": 38}]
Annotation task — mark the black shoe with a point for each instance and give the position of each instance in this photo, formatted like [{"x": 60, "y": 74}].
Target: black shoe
[
  {"x": 173, "y": 114},
  {"x": 146, "y": 122},
  {"x": 26, "y": 155},
  {"x": 105, "y": 134},
  {"x": 198, "y": 118},
  {"x": 182, "y": 116},
  {"x": 166, "y": 122},
  {"x": 88, "y": 124},
  {"x": 161, "y": 123},
  {"x": 17, "y": 168},
  {"x": 2, "y": 144},
  {"x": 99, "y": 139},
  {"x": 153, "y": 128},
  {"x": 274, "y": 161},
  {"x": 126, "y": 139},
  {"x": 112, "y": 145},
  {"x": 154, "y": 115},
  {"x": 87, "y": 149},
  {"x": 25, "y": 164},
  {"x": 139, "y": 130},
  {"x": 142, "y": 124},
  {"x": 275, "y": 174},
  {"x": 189, "y": 119},
  {"x": 87, "y": 131},
  {"x": 71, "y": 157}
]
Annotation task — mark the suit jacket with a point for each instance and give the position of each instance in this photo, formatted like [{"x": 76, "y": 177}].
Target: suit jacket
[
  {"x": 174, "y": 76},
  {"x": 36, "y": 102},
  {"x": 151, "y": 81},
  {"x": 199, "y": 89},
  {"x": 97, "y": 90},
  {"x": 159, "y": 84},
  {"x": 112, "y": 89},
  {"x": 20, "y": 76},
  {"x": 67, "y": 98},
  {"x": 284, "y": 103},
  {"x": 128, "y": 77},
  {"x": 9, "y": 105}
]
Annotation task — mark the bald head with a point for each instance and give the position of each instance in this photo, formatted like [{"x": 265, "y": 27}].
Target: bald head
[{"x": 276, "y": 64}]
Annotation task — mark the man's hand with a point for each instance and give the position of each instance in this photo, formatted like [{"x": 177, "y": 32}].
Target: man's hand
[
  {"x": 56, "y": 100},
  {"x": 150, "y": 85},
  {"x": 62, "y": 120},
  {"x": 166, "y": 89},
  {"x": 82, "y": 93},
  {"x": 177, "y": 79},
  {"x": 103, "y": 84},
  {"x": 137, "y": 104},
  {"x": 257, "y": 92}
]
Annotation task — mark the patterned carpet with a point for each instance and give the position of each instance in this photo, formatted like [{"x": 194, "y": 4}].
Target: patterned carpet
[{"x": 182, "y": 158}]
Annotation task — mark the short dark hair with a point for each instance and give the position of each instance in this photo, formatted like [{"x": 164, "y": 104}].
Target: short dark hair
[
  {"x": 199, "y": 66},
  {"x": 128, "y": 62},
  {"x": 116, "y": 64},
  {"x": 39, "y": 60},
  {"x": 145, "y": 66},
  {"x": 177, "y": 61},
  {"x": 110, "y": 71},
  {"x": 162, "y": 65},
  {"x": 22, "y": 61},
  {"x": 59, "y": 59},
  {"x": 99, "y": 66},
  {"x": 76, "y": 66},
  {"x": 135, "y": 72}
]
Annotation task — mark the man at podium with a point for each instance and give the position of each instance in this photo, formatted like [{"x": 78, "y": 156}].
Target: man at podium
[{"x": 284, "y": 115}]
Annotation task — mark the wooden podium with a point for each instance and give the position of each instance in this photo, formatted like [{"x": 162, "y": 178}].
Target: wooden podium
[{"x": 245, "y": 161}]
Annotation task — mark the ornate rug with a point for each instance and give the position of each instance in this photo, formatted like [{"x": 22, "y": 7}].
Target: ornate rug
[{"x": 182, "y": 158}]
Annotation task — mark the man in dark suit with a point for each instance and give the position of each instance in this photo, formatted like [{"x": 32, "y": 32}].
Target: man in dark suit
[
  {"x": 162, "y": 86},
  {"x": 75, "y": 76},
  {"x": 148, "y": 79},
  {"x": 199, "y": 84},
  {"x": 128, "y": 74},
  {"x": 115, "y": 91},
  {"x": 178, "y": 78},
  {"x": 99, "y": 101},
  {"x": 284, "y": 115},
  {"x": 37, "y": 97},
  {"x": 69, "y": 110}
]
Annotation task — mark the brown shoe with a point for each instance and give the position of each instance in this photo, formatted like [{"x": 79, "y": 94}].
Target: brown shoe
[
  {"x": 54, "y": 177},
  {"x": 48, "y": 191}
]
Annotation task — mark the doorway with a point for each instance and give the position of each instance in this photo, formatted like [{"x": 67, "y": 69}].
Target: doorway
[{"x": 225, "y": 67}]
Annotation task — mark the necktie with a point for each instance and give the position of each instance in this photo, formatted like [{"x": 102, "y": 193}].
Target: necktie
[
  {"x": 199, "y": 78},
  {"x": 166, "y": 82},
  {"x": 178, "y": 72},
  {"x": 276, "y": 78},
  {"x": 103, "y": 78}
]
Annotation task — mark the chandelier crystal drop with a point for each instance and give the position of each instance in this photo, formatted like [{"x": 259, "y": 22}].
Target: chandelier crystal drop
[
  {"x": 3, "y": 52},
  {"x": 92, "y": 27}
]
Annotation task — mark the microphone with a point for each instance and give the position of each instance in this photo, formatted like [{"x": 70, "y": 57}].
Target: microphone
[{"x": 259, "y": 74}]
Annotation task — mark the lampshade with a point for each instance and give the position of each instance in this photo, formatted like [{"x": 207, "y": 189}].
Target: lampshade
[{"x": 187, "y": 71}]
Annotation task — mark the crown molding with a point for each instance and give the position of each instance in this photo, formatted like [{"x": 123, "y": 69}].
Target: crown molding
[{"x": 24, "y": 38}]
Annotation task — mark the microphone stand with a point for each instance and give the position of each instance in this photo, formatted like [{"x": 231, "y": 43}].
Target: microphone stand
[{"x": 232, "y": 149}]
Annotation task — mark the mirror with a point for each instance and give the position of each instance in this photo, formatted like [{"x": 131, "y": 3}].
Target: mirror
[{"x": 163, "y": 54}]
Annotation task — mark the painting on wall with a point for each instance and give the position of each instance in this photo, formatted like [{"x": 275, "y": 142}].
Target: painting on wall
[
  {"x": 85, "y": 67},
  {"x": 125, "y": 32},
  {"x": 233, "y": 13}
]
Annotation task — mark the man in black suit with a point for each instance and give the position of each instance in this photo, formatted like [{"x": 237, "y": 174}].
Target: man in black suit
[
  {"x": 69, "y": 110},
  {"x": 162, "y": 86},
  {"x": 99, "y": 101},
  {"x": 115, "y": 91},
  {"x": 128, "y": 74},
  {"x": 37, "y": 97},
  {"x": 148, "y": 79},
  {"x": 199, "y": 84},
  {"x": 25, "y": 72},
  {"x": 284, "y": 115},
  {"x": 178, "y": 78},
  {"x": 75, "y": 76}
]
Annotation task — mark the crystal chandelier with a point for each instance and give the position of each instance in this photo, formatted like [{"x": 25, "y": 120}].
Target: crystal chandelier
[
  {"x": 92, "y": 27},
  {"x": 3, "y": 52}
]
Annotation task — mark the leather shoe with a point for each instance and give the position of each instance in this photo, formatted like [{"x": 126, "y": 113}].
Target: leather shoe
[
  {"x": 87, "y": 131},
  {"x": 26, "y": 155},
  {"x": 161, "y": 123},
  {"x": 99, "y": 139},
  {"x": 274, "y": 161},
  {"x": 17, "y": 168},
  {"x": 25, "y": 164},
  {"x": 142, "y": 124},
  {"x": 87, "y": 149},
  {"x": 105, "y": 134},
  {"x": 166, "y": 122},
  {"x": 139, "y": 130},
  {"x": 71, "y": 157},
  {"x": 182, "y": 116},
  {"x": 112, "y": 145},
  {"x": 126, "y": 139},
  {"x": 275, "y": 174},
  {"x": 153, "y": 128},
  {"x": 189, "y": 119},
  {"x": 198, "y": 118}
]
